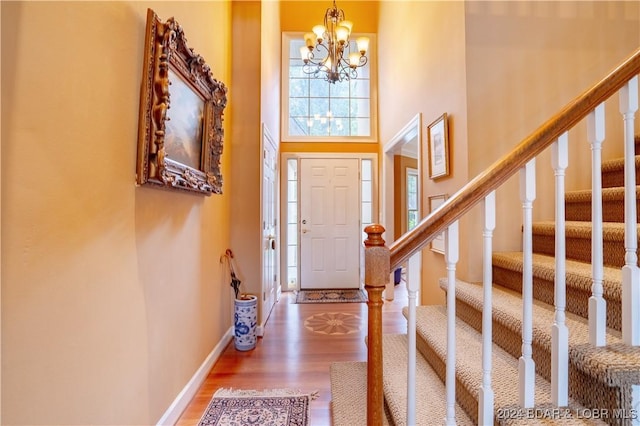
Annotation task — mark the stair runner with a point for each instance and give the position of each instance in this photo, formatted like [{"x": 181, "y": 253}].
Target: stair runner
[{"x": 600, "y": 379}]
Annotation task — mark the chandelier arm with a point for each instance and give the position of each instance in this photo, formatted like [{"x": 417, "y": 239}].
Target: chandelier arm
[{"x": 335, "y": 66}]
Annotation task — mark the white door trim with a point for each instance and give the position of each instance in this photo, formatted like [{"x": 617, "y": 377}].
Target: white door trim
[
  {"x": 285, "y": 156},
  {"x": 265, "y": 139},
  {"x": 411, "y": 130}
]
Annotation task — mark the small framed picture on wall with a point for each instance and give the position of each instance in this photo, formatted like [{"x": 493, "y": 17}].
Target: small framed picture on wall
[{"x": 438, "y": 137}]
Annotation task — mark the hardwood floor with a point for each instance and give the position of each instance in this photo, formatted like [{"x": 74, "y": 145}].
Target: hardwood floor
[{"x": 291, "y": 356}]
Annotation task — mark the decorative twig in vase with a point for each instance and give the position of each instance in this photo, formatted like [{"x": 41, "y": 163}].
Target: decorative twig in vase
[{"x": 235, "y": 281}]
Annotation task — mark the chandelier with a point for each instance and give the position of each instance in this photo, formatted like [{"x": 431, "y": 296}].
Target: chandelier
[{"x": 327, "y": 53}]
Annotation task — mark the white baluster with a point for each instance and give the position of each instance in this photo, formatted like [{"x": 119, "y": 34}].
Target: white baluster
[
  {"x": 451, "y": 258},
  {"x": 413, "y": 285},
  {"x": 485, "y": 399},
  {"x": 597, "y": 304},
  {"x": 630, "y": 278},
  {"x": 559, "y": 331},
  {"x": 526, "y": 366}
]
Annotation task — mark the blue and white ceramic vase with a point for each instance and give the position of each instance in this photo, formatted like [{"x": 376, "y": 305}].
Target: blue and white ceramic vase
[{"x": 245, "y": 320}]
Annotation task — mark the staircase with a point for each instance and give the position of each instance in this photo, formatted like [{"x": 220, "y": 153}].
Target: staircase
[
  {"x": 600, "y": 379},
  {"x": 488, "y": 373}
]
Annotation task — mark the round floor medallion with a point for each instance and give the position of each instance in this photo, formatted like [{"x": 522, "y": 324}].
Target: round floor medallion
[{"x": 333, "y": 323}]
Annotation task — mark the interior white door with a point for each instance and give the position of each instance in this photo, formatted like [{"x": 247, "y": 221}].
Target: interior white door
[
  {"x": 329, "y": 223},
  {"x": 269, "y": 245}
]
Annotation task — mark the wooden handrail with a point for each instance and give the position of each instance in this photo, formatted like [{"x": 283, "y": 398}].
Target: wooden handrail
[{"x": 495, "y": 175}]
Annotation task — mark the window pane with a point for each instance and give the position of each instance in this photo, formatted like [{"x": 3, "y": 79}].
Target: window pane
[
  {"x": 295, "y": 68},
  {"x": 292, "y": 191},
  {"x": 292, "y": 277},
  {"x": 320, "y": 127},
  {"x": 296, "y": 44},
  {"x": 338, "y": 128},
  {"x": 292, "y": 213},
  {"x": 360, "y": 108},
  {"x": 310, "y": 97},
  {"x": 299, "y": 87},
  {"x": 292, "y": 169},
  {"x": 298, "y": 127},
  {"x": 319, "y": 108},
  {"x": 366, "y": 169},
  {"x": 340, "y": 89},
  {"x": 340, "y": 107},
  {"x": 412, "y": 219},
  {"x": 360, "y": 126},
  {"x": 360, "y": 88},
  {"x": 298, "y": 107},
  {"x": 292, "y": 234},
  {"x": 292, "y": 256},
  {"x": 366, "y": 191},
  {"x": 366, "y": 213},
  {"x": 318, "y": 88}
]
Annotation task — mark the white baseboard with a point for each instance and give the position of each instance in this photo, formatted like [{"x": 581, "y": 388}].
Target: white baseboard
[{"x": 173, "y": 413}]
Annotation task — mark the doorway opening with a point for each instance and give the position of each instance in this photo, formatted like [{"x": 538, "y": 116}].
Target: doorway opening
[{"x": 365, "y": 193}]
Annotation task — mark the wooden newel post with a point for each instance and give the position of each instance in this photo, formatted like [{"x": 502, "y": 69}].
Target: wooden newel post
[{"x": 376, "y": 276}]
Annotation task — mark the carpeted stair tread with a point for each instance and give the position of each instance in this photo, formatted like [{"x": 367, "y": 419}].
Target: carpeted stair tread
[
  {"x": 611, "y": 231},
  {"x": 430, "y": 391},
  {"x": 432, "y": 330},
  {"x": 578, "y": 204},
  {"x": 578, "y": 241},
  {"x": 578, "y": 274},
  {"x": 349, "y": 394},
  {"x": 617, "y": 164},
  {"x": 608, "y": 194},
  {"x": 606, "y": 363}
]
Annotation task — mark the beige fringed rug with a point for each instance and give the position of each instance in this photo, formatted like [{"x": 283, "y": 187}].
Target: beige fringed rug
[
  {"x": 331, "y": 296},
  {"x": 272, "y": 407}
]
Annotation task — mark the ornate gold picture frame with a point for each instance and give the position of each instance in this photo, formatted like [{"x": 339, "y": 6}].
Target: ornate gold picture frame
[{"x": 180, "y": 134}]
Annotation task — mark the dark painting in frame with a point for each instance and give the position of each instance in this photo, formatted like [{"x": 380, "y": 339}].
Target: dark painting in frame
[{"x": 180, "y": 133}]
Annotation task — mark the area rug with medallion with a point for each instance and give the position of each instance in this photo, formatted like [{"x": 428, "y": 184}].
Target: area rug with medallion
[
  {"x": 272, "y": 407},
  {"x": 331, "y": 296}
]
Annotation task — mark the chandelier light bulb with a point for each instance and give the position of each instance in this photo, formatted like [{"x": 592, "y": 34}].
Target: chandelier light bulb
[
  {"x": 347, "y": 24},
  {"x": 304, "y": 54},
  {"x": 363, "y": 44},
  {"x": 309, "y": 39},
  {"x": 319, "y": 30},
  {"x": 354, "y": 59},
  {"x": 342, "y": 34}
]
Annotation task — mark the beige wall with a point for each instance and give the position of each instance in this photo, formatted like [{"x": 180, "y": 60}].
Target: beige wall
[
  {"x": 537, "y": 57},
  {"x": 426, "y": 74},
  {"x": 245, "y": 130},
  {"x": 256, "y": 102},
  {"x": 112, "y": 295},
  {"x": 499, "y": 69}
]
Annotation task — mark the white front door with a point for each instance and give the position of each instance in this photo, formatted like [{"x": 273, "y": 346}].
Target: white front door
[
  {"x": 269, "y": 271},
  {"x": 329, "y": 223}
]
